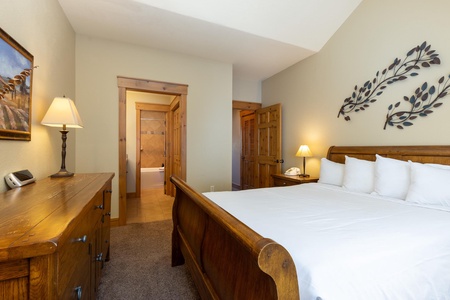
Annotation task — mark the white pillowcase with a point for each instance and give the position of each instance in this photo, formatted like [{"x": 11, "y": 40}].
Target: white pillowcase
[
  {"x": 392, "y": 177},
  {"x": 429, "y": 185},
  {"x": 447, "y": 167},
  {"x": 359, "y": 175},
  {"x": 331, "y": 172}
]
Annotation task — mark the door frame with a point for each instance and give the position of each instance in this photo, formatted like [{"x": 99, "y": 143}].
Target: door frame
[{"x": 144, "y": 85}]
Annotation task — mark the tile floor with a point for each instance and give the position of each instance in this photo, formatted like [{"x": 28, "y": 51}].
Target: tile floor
[{"x": 152, "y": 206}]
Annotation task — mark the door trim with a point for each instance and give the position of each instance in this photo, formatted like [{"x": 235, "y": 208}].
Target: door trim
[{"x": 145, "y": 85}]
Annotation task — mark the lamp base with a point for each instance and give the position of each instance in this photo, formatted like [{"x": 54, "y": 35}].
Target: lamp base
[
  {"x": 303, "y": 175},
  {"x": 62, "y": 173}
]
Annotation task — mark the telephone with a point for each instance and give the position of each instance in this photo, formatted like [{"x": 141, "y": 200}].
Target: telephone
[{"x": 292, "y": 171}]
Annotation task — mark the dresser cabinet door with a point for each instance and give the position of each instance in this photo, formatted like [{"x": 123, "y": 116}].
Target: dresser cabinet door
[
  {"x": 14, "y": 279},
  {"x": 73, "y": 264}
]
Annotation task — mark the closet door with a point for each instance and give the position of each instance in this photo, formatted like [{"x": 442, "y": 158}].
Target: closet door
[
  {"x": 248, "y": 150},
  {"x": 268, "y": 148}
]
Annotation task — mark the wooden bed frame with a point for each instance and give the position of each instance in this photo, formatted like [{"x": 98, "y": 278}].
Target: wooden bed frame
[{"x": 228, "y": 260}]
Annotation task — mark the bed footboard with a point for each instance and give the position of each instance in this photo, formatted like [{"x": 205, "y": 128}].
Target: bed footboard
[{"x": 227, "y": 259}]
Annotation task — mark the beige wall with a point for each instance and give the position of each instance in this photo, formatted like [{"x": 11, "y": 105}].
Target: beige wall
[
  {"x": 209, "y": 108},
  {"x": 246, "y": 90},
  {"x": 313, "y": 90},
  {"x": 41, "y": 27}
]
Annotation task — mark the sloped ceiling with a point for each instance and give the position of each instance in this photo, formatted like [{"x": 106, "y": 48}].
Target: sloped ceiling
[{"x": 259, "y": 37}]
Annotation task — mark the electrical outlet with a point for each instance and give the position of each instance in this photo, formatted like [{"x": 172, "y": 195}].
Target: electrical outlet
[{"x": 211, "y": 188}]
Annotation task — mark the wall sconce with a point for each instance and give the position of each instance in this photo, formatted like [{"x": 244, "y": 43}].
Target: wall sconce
[
  {"x": 304, "y": 152},
  {"x": 62, "y": 113}
]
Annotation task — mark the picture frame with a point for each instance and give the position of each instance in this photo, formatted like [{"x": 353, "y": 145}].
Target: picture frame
[{"x": 15, "y": 89}]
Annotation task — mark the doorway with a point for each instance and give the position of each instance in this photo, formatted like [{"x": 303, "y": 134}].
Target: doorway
[
  {"x": 151, "y": 145},
  {"x": 176, "y": 158},
  {"x": 240, "y": 108}
]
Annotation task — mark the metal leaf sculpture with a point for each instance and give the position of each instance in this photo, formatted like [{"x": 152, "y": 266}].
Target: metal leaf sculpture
[
  {"x": 422, "y": 103},
  {"x": 361, "y": 98}
]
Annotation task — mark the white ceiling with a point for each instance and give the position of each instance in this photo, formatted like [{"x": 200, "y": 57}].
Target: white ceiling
[{"x": 259, "y": 37}]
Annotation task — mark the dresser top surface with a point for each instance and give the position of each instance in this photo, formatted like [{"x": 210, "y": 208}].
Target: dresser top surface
[{"x": 37, "y": 214}]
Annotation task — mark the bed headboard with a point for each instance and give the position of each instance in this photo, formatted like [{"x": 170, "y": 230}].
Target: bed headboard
[{"x": 422, "y": 154}]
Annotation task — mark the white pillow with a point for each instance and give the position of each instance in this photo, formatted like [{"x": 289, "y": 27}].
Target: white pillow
[
  {"x": 447, "y": 167},
  {"x": 429, "y": 185},
  {"x": 359, "y": 175},
  {"x": 392, "y": 177},
  {"x": 331, "y": 172}
]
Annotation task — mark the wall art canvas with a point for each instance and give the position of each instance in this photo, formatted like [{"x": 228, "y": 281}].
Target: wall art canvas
[{"x": 16, "y": 70}]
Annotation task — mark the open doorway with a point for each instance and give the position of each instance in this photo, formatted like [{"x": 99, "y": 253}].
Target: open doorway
[
  {"x": 176, "y": 133},
  {"x": 147, "y": 143},
  {"x": 239, "y": 141}
]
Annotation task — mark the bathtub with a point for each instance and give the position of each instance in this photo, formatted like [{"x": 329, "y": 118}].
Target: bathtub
[{"x": 152, "y": 178}]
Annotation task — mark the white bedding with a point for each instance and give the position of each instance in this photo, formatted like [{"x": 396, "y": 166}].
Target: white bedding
[{"x": 348, "y": 245}]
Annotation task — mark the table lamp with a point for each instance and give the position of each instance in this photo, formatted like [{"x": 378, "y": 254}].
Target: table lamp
[
  {"x": 62, "y": 113},
  {"x": 304, "y": 152}
]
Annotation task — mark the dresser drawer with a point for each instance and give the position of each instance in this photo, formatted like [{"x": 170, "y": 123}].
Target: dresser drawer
[
  {"x": 283, "y": 182},
  {"x": 287, "y": 180}
]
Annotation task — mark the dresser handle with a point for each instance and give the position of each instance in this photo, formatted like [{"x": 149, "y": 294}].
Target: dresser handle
[
  {"x": 108, "y": 214},
  {"x": 79, "y": 292},
  {"x": 108, "y": 191},
  {"x": 99, "y": 206},
  {"x": 82, "y": 239},
  {"x": 99, "y": 257}
]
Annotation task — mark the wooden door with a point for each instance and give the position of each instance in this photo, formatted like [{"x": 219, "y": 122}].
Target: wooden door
[
  {"x": 248, "y": 150},
  {"x": 268, "y": 148},
  {"x": 175, "y": 145}
]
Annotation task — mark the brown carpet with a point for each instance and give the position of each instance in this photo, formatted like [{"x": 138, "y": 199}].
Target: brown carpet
[{"x": 140, "y": 265}]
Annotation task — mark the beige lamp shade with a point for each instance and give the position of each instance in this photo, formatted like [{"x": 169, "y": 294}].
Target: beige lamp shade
[
  {"x": 304, "y": 151},
  {"x": 62, "y": 112}
]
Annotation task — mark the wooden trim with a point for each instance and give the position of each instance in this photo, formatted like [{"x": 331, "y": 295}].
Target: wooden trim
[
  {"x": 152, "y": 107},
  {"x": 151, "y": 86},
  {"x": 122, "y": 156},
  {"x": 131, "y": 195},
  {"x": 145, "y": 85},
  {"x": 183, "y": 122},
  {"x": 138, "y": 154},
  {"x": 246, "y": 105},
  {"x": 114, "y": 222}
]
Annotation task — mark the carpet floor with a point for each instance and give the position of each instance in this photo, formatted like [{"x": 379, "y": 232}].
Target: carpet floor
[{"x": 140, "y": 265}]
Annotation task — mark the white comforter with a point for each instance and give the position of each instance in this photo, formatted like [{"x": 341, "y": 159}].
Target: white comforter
[{"x": 348, "y": 245}]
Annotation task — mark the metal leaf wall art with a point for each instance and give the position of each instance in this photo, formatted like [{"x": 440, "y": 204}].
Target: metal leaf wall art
[
  {"x": 418, "y": 57},
  {"x": 421, "y": 104}
]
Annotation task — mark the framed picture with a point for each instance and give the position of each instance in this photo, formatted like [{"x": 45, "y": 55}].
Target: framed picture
[{"x": 15, "y": 89}]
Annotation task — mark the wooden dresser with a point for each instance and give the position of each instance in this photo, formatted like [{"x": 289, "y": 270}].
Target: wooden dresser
[{"x": 54, "y": 237}]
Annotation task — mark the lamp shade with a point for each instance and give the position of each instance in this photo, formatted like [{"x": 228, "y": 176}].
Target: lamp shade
[
  {"x": 61, "y": 112},
  {"x": 304, "y": 151}
]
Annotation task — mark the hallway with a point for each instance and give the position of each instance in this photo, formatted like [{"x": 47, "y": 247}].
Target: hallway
[{"x": 152, "y": 206}]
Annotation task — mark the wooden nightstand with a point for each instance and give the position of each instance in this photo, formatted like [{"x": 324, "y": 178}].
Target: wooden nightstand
[{"x": 285, "y": 180}]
